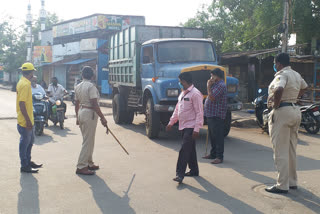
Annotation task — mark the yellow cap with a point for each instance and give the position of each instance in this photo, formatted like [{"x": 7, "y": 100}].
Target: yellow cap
[{"x": 28, "y": 67}]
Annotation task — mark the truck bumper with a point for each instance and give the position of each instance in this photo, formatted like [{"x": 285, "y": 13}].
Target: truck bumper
[{"x": 164, "y": 108}]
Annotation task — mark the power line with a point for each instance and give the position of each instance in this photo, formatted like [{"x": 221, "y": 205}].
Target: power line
[{"x": 277, "y": 25}]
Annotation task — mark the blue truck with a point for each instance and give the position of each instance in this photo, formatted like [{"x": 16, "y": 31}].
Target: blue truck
[{"x": 144, "y": 65}]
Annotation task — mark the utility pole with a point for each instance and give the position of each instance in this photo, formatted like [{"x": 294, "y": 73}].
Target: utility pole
[
  {"x": 29, "y": 36},
  {"x": 43, "y": 15},
  {"x": 285, "y": 24}
]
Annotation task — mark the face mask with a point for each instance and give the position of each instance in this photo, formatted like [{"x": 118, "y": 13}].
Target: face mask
[
  {"x": 180, "y": 85},
  {"x": 275, "y": 68}
]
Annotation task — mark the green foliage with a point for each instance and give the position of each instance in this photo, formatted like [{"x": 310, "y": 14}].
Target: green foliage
[
  {"x": 240, "y": 25},
  {"x": 13, "y": 47}
]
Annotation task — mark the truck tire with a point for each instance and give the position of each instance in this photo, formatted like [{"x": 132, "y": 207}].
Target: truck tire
[
  {"x": 227, "y": 123},
  {"x": 119, "y": 116},
  {"x": 152, "y": 120},
  {"x": 129, "y": 117}
]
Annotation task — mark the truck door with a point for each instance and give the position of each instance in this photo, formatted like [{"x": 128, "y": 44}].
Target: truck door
[{"x": 147, "y": 65}]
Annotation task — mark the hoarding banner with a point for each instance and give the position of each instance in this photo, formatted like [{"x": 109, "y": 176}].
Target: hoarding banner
[
  {"x": 42, "y": 54},
  {"x": 88, "y": 24}
]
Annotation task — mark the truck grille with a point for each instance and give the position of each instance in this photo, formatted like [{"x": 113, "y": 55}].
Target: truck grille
[{"x": 200, "y": 79}]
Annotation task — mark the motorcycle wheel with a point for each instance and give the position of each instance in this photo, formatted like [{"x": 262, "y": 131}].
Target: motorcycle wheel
[
  {"x": 39, "y": 129},
  {"x": 61, "y": 120},
  {"x": 312, "y": 128}
]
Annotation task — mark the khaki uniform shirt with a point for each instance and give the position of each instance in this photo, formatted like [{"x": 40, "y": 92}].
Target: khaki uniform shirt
[
  {"x": 291, "y": 81},
  {"x": 86, "y": 91}
]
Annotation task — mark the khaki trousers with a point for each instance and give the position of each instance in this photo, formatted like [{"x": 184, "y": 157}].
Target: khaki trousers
[
  {"x": 88, "y": 123},
  {"x": 284, "y": 124}
]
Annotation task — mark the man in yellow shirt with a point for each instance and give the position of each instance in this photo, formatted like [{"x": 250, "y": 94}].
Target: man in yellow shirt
[{"x": 25, "y": 119}]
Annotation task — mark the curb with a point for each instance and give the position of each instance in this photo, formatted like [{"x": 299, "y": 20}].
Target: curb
[{"x": 105, "y": 104}]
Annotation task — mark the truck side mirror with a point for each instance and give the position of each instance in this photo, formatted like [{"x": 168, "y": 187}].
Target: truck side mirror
[{"x": 146, "y": 60}]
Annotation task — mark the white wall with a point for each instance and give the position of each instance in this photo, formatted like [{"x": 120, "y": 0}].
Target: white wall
[{"x": 59, "y": 51}]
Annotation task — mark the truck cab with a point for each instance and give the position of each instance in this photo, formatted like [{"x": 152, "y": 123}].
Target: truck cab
[{"x": 162, "y": 62}]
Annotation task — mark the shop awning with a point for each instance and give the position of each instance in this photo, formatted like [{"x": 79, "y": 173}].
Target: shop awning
[{"x": 78, "y": 61}]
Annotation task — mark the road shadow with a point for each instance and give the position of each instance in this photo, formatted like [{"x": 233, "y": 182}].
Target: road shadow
[
  {"x": 60, "y": 132},
  {"x": 108, "y": 201},
  {"x": 43, "y": 139},
  {"x": 305, "y": 197},
  {"x": 217, "y": 196},
  {"x": 28, "y": 197}
]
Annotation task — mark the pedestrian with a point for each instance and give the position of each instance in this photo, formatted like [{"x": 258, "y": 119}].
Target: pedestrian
[
  {"x": 215, "y": 110},
  {"x": 189, "y": 113},
  {"x": 25, "y": 119},
  {"x": 284, "y": 121},
  {"x": 87, "y": 112}
]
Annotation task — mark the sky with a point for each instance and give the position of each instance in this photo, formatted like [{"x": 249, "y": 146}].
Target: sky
[{"x": 161, "y": 12}]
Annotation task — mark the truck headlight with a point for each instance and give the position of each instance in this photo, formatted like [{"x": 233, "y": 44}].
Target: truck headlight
[{"x": 173, "y": 92}]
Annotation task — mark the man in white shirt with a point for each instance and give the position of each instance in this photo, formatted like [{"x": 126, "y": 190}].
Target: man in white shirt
[
  {"x": 55, "y": 92},
  {"x": 36, "y": 88}
]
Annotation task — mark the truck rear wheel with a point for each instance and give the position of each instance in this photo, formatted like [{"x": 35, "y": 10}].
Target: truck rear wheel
[
  {"x": 152, "y": 120},
  {"x": 119, "y": 115},
  {"x": 227, "y": 123}
]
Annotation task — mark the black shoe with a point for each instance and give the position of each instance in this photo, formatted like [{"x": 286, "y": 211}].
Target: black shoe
[
  {"x": 28, "y": 170},
  {"x": 34, "y": 165},
  {"x": 191, "y": 174},
  {"x": 293, "y": 187},
  {"x": 274, "y": 189},
  {"x": 178, "y": 179}
]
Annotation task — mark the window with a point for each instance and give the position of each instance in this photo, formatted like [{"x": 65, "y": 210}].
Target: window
[
  {"x": 185, "y": 51},
  {"x": 147, "y": 55}
]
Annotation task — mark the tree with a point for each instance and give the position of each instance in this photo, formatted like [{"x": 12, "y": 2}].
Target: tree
[
  {"x": 255, "y": 24},
  {"x": 12, "y": 46}
]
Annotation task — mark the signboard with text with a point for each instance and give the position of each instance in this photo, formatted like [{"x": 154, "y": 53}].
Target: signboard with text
[{"x": 88, "y": 24}]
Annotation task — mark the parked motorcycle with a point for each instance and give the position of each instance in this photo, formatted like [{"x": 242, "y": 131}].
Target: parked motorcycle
[
  {"x": 310, "y": 115},
  {"x": 40, "y": 112},
  {"x": 261, "y": 111},
  {"x": 57, "y": 113},
  {"x": 310, "y": 118},
  {"x": 71, "y": 94}
]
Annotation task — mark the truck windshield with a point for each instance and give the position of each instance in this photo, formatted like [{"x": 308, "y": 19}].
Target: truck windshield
[{"x": 185, "y": 51}]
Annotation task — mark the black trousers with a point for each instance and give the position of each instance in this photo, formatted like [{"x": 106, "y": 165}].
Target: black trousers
[
  {"x": 187, "y": 154},
  {"x": 216, "y": 134}
]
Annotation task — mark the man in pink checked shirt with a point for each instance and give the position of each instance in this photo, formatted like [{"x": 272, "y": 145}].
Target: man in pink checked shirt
[{"x": 189, "y": 113}]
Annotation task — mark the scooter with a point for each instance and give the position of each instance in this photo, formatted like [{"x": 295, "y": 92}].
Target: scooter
[
  {"x": 57, "y": 113},
  {"x": 40, "y": 112}
]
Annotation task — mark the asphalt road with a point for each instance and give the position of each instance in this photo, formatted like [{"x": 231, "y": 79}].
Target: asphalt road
[{"x": 142, "y": 182}]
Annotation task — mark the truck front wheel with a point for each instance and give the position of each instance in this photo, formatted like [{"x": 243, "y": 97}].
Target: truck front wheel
[
  {"x": 152, "y": 120},
  {"x": 227, "y": 123}
]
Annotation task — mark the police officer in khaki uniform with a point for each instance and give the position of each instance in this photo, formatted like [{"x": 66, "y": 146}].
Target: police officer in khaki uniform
[
  {"x": 87, "y": 111},
  {"x": 284, "y": 122}
]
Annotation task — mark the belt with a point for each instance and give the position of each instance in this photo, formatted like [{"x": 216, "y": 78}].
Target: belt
[
  {"x": 287, "y": 104},
  {"x": 87, "y": 107}
]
